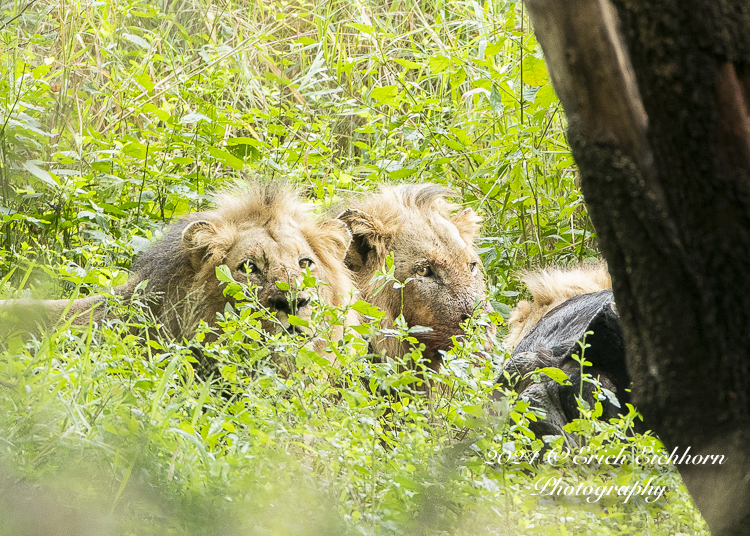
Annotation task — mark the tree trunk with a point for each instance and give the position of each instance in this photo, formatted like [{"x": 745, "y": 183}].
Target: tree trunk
[{"x": 657, "y": 96}]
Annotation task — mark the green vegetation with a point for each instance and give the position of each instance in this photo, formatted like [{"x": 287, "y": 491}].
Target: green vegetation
[{"x": 118, "y": 116}]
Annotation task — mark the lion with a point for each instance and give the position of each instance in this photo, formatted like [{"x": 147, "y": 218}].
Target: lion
[
  {"x": 549, "y": 288},
  {"x": 434, "y": 256},
  {"x": 262, "y": 232}
]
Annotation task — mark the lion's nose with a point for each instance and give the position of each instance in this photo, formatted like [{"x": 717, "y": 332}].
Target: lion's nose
[{"x": 282, "y": 304}]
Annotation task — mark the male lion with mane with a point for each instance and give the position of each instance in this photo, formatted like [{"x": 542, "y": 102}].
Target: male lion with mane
[
  {"x": 433, "y": 250},
  {"x": 261, "y": 231}
]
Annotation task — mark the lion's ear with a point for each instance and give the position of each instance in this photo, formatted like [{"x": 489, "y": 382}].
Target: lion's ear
[
  {"x": 198, "y": 238},
  {"x": 368, "y": 238},
  {"x": 332, "y": 239},
  {"x": 468, "y": 224}
]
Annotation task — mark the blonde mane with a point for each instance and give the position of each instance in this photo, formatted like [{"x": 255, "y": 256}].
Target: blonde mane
[
  {"x": 266, "y": 203},
  {"x": 549, "y": 288}
]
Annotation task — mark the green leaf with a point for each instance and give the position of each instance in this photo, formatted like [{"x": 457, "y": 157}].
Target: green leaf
[
  {"x": 496, "y": 100},
  {"x": 243, "y": 147},
  {"x": 40, "y": 174},
  {"x": 385, "y": 95},
  {"x": 154, "y": 109},
  {"x": 402, "y": 173},
  {"x": 297, "y": 321},
  {"x": 502, "y": 308},
  {"x": 545, "y": 97},
  {"x": 281, "y": 285},
  {"x": 111, "y": 209},
  {"x": 364, "y": 308},
  {"x": 345, "y": 178},
  {"x": 226, "y": 158},
  {"x": 493, "y": 48},
  {"x": 475, "y": 410},
  {"x": 224, "y": 274},
  {"x": 611, "y": 397},
  {"x": 554, "y": 374},
  {"x": 462, "y": 136},
  {"x": 453, "y": 144},
  {"x": 409, "y": 64},
  {"x": 241, "y": 140},
  {"x": 145, "y": 80},
  {"x": 136, "y": 40},
  {"x": 369, "y": 30},
  {"x": 135, "y": 149},
  {"x": 194, "y": 117},
  {"x": 40, "y": 71},
  {"x": 534, "y": 71},
  {"x": 439, "y": 63}
]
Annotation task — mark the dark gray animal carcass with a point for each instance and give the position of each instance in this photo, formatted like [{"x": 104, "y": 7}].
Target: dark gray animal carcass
[{"x": 552, "y": 341}]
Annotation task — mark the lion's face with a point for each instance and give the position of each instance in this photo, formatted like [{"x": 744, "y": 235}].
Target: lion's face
[
  {"x": 433, "y": 253},
  {"x": 264, "y": 259},
  {"x": 445, "y": 278},
  {"x": 266, "y": 254}
]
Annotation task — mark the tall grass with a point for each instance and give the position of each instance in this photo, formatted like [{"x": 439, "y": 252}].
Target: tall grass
[{"x": 121, "y": 115}]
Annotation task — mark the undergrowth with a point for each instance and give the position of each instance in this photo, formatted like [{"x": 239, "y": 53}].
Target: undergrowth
[{"x": 112, "y": 435}]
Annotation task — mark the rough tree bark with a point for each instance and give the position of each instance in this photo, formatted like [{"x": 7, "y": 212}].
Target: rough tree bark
[{"x": 657, "y": 95}]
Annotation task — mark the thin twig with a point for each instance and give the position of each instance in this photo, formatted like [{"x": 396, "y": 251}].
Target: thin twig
[{"x": 21, "y": 13}]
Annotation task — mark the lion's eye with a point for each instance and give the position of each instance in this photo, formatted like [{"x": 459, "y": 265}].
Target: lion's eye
[
  {"x": 247, "y": 266},
  {"x": 306, "y": 263},
  {"x": 424, "y": 270},
  {"x": 473, "y": 267}
]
